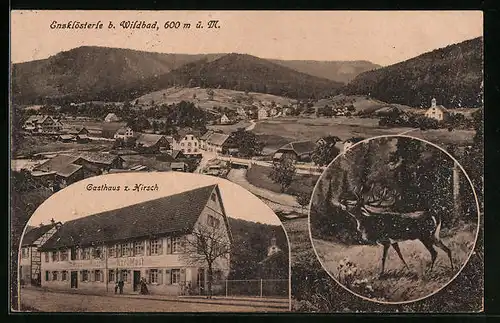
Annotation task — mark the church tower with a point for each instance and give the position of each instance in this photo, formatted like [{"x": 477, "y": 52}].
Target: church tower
[
  {"x": 273, "y": 248},
  {"x": 433, "y": 103}
]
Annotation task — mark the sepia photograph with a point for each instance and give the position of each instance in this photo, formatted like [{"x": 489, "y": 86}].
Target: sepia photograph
[
  {"x": 263, "y": 99},
  {"x": 394, "y": 219},
  {"x": 108, "y": 245}
]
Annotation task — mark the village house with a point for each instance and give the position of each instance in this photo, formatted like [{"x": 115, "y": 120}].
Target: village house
[
  {"x": 124, "y": 133},
  {"x": 76, "y": 131},
  {"x": 286, "y": 111},
  {"x": 274, "y": 266},
  {"x": 273, "y": 112},
  {"x": 190, "y": 145},
  {"x": 172, "y": 142},
  {"x": 178, "y": 166},
  {"x": 94, "y": 252},
  {"x": 111, "y": 117},
  {"x": 204, "y": 138},
  {"x": 437, "y": 112},
  {"x": 241, "y": 111},
  {"x": 262, "y": 113},
  {"x": 224, "y": 119},
  {"x": 42, "y": 124},
  {"x": 218, "y": 143},
  {"x": 351, "y": 141},
  {"x": 176, "y": 154},
  {"x": 82, "y": 139},
  {"x": 151, "y": 143},
  {"x": 65, "y": 138},
  {"x": 297, "y": 151},
  {"x": 30, "y": 258}
]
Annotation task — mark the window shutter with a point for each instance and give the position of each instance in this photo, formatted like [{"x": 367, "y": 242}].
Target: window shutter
[
  {"x": 148, "y": 278},
  {"x": 169, "y": 245},
  {"x": 183, "y": 275},
  {"x": 160, "y": 276},
  {"x": 168, "y": 276},
  {"x": 92, "y": 275}
]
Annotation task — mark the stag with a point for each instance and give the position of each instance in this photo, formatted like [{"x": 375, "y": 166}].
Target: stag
[{"x": 378, "y": 224}]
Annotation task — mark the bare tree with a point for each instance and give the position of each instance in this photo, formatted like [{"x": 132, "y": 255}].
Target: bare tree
[{"x": 206, "y": 246}]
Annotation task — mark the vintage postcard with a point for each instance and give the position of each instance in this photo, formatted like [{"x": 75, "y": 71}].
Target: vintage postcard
[{"x": 235, "y": 161}]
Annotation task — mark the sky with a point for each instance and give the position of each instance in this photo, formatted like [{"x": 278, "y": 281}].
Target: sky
[
  {"x": 382, "y": 37},
  {"x": 76, "y": 201}
]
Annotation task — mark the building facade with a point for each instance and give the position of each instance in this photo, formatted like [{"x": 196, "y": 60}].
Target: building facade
[
  {"x": 190, "y": 145},
  {"x": 42, "y": 124},
  {"x": 155, "y": 243},
  {"x": 124, "y": 133},
  {"x": 437, "y": 112},
  {"x": 30, "y": 258}
]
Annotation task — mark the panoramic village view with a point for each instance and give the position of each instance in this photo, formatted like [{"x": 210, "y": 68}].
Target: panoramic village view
[{"x": 271, "y": 126}]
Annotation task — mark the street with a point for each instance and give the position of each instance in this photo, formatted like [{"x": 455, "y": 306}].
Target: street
[{"x": 52, "y": 301}]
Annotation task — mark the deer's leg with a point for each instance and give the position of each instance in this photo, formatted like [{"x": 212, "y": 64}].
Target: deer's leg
[
  {"x": 398, "y": 251},
  {"x": 429, "y": 245},
  {"x": 442, "y": 246},
  {"x": 384, "y": 255}
]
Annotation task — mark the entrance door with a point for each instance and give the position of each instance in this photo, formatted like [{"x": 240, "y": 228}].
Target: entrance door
[
  {"x": 136, "y": 280},
  {"x": 74, "y": 279},
  {"x": 200, "y": 280}
]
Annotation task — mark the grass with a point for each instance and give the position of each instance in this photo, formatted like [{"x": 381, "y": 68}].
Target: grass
[
  {"x": 39, "y": 144},
  {"x": 277, "y": 132},
  {"x": 260, "y": 176},
  {"x": 227, "y": 129},
  {"x": 398, "y": 284}
]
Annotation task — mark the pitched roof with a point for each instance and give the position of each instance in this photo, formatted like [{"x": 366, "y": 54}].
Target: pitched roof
[
  {"x": 207, "y": 135},
  {"x": 175, "y": 213},
  {"x": 218, "y": 139},
  {"x": 148, "y": 139},
  {"x": 34, "y": 234},
  {"x": 37, "y": 118},
  {"x": 66, "y": 137},
  {"x": 111, "y": 115},
  {"x": 97, "y": 157},
  {"x": 300, "y": 147},
  {"x": 170, "y": 139},
  {"x": 57, "y": 164},
  {"x": 175, "y": 153},
  {"x": 439, "y": 107}
]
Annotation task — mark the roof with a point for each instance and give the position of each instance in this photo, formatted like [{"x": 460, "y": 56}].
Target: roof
[
  {"x": 207, "y": 135},
  {"x": 170, "y": 140},
  {"x": 439, "y": 107},
  {"x": 34, "y": 234},
  {"x": 171, "y": 214},
  {"x": 111, "y": 115},
  {"x": 68, "y": 170},
  {"x": 218, "y": 139},
  {"x": 175, "y": 153},
  {"x": 56, "y": 164},
  {"x": 37, "y": 118},
  {"x": 97, "y": 157},
  {"x": 82, "y": 137},
  {"x": 66, "y": 137},
  {"x": 299, "y": 147},
  {"x": 148, "y": 139}
]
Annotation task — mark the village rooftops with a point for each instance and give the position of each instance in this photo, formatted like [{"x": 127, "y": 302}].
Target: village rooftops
[
  {"x": 207, "y": 135},
  {"x": 175, "y": 153},
  {"x": 38, "y": 118},
  {"x": 62, "y": 165},
  {"x": 299, "y": 147},
  {"x": 97, "y": 157},
  {"x": 148, "y": 139},
  {"x": 175, "y": 214},
  {"x": 31, "y": 236}
]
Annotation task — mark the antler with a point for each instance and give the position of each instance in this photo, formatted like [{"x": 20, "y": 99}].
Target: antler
[{"x": 384, "y": 197}]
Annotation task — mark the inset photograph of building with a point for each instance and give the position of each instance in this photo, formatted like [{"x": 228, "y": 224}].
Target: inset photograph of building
[
  {"x": 188, "y": 243},
  {"x": 395, "y": 219}
]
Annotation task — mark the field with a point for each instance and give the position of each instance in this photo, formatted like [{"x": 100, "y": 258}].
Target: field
[
  {"x": 39, "y": 144},
  {"x": 398, "y": 284},
  {"x": 221, "y": 98},
  {"x": 283, "y": 130},
  {"x": 227, "y": 129},
  {"x": 259, "y": 176}
]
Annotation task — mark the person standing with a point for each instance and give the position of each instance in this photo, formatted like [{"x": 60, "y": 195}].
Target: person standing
[{"x": 120, "y": 286}]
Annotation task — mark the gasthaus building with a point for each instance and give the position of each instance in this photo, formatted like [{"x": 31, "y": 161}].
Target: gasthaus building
[{"x": 145, "y": 240}]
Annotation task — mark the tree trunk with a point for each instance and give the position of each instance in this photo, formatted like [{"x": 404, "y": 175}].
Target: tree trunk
[{"x": 209, "y": 280}]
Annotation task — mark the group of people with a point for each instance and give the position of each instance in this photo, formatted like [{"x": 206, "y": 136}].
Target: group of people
[{"x": 143, "y": 287}]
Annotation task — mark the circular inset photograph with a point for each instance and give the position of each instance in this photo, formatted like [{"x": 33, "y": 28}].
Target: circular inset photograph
[
  {"x": 154, "y": 242},
  {"x": 394, "y": 219}
]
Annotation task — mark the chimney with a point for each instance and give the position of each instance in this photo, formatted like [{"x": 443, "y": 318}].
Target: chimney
[
  {"x": 41, "y": 224},
  {"x": 58, "y": 225},
  {"x": 52, "y": 221}
]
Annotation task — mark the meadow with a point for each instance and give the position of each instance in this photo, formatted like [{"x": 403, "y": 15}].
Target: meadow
[
  {"x": 397, "y": 284},
  {"x": 39, "y": 144}
]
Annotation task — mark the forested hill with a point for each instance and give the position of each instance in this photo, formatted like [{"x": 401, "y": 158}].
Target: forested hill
[
  {"x": 453, "y": 75},
  {"x": 243, "y": 72}
]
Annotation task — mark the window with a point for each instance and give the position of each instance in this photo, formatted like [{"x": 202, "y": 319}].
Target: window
[
  {"x": 125, "y": 250},
  {"x": 74, "y": 253},
  {"x": 112, "y": 251},
  {"x": 155, "y": 246},
  {"x": 213, "y": 197},
  {"x": 182, "y": 144},
  {"x": 138, "y": 248},
  {"x": 85, "y": 275},
  {"x": 97, "y": 253},
  {"x": 97, "y": 275},
  {"x": 25, "y": 252},
  {"x": 189, "y": 150},
  {"x": 54, "y": 275},
  {"x": 153, "y": 276},
  {"x": 124, "y": 275},
  {"x": 195, "y": 143},
  {"x": 213, "y": 221},
  {"x": 64, "y": 275},
  {"x": 176, "y": 244},
  {"x": 189, "y": 144},
  {"x": 55, "y": 255},
  {"x": 64, "y": 255},
  {"x": 111, "y": 275},
  {"x": 47, "y": 278},
  {"x": 175, "y": 276}
]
